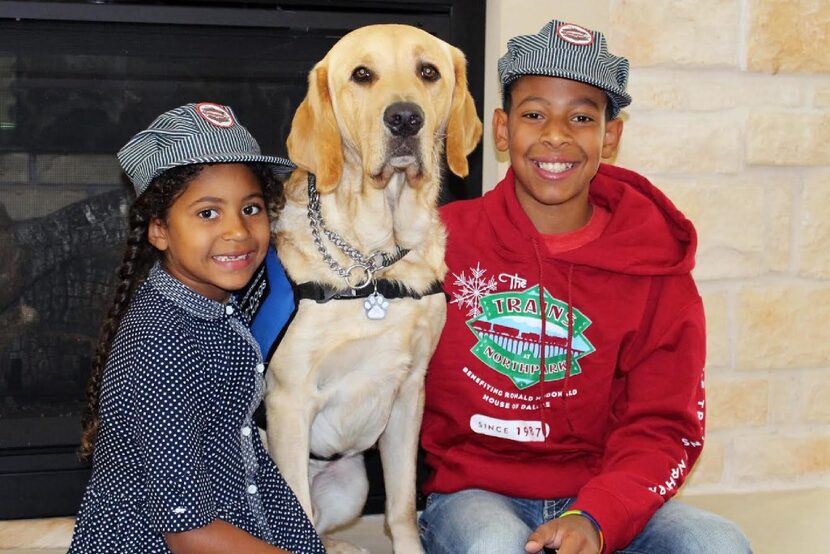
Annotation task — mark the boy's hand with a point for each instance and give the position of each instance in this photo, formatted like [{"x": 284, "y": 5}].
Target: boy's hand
[{"x": 569, "y": 535}]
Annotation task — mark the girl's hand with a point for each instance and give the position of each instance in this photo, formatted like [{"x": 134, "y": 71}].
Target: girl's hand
[{"x": 569, "y": 535}]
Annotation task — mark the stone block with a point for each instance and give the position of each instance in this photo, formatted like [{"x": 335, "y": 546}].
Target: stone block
[
  {"x": 786, "y": 398},
  {"x": 813, "y": 233},
  {"x": 816, "y": 397},
  {"x": 743, "y": 223},
  {"x": 773, "y": 457},
  {"x": 778, "y": 207},
  {"x": 783, "y": 326},
  {"x": 704, "y": 33},
  {"x": 717, "y": 329},
  {"x": 738, "y": 403},
  {"x": 800, "y": 397},
  {"x": 709, "y": 467},
  {"x": 785, "y": 138},
  {"x": 691, "y": 90},
  {"x": 821, "y": 96},
  {"x": 682, "y": 143},
  {"x": 788, "y": 35}
]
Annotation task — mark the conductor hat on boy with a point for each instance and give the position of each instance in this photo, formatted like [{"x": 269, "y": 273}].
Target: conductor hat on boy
[
  {"x": 191, "y": 134},
  {"x": 568, "y": 51}
]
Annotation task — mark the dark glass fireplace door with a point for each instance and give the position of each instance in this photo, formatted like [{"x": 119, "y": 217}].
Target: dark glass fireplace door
[{"x": 75, "y": 83}]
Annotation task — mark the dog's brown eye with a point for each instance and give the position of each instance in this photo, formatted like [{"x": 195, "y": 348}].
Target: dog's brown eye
[
  {"x": 362, "y": 75},
  {"x": 429, "y": 72}
]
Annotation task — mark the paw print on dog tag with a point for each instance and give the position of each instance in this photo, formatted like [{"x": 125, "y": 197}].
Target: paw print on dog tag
[{"x": 375, "y": 306}]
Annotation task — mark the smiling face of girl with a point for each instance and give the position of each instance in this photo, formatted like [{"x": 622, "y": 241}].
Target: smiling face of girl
[{"x": 216, "y": 232}]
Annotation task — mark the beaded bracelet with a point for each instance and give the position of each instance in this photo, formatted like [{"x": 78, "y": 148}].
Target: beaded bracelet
[{"x": 594, "y": 522}]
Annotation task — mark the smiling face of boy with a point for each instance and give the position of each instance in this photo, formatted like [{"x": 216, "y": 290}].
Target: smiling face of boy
[{"x": 556, "y": 134}]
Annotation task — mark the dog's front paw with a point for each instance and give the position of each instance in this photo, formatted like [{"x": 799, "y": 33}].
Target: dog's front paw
[
  {"x": 408, "y": 545},
  {"x": 334, "y": 546},
  {"x": 375, "y": 306}
]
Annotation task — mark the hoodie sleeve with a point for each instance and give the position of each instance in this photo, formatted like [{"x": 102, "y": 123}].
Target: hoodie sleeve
[{"x": 658, "y": 415}]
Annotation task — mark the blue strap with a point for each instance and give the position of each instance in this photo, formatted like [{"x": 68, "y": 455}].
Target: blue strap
[{"x": 267, "y": 303}]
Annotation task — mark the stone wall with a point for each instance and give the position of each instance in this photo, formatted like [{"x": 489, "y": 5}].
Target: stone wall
[{"x": 731, "y": 118}]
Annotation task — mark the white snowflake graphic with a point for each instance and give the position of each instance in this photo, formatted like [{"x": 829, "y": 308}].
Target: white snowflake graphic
[{"x": 471, "y": 289}]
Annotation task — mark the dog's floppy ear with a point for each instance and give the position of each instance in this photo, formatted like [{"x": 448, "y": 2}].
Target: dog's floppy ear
[
  {"x": 314, "y": 141},
  {"x": 464, "y": 126}
]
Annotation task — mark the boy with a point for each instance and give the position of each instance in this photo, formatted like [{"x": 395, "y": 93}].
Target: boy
[{"x": 564, "y": 404}]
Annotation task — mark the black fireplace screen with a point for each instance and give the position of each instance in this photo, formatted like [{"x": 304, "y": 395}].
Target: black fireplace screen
[{"x": 76, "y": 81}]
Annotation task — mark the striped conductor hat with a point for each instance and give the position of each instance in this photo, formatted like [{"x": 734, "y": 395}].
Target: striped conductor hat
[
  {"x": 191, "y": 134},
  {"x": 571, "y": 52}
]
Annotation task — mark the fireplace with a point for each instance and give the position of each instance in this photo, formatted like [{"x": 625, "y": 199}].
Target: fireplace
[{"x": 77, "y": 79}]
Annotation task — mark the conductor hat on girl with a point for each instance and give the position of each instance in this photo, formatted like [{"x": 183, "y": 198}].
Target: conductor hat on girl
[{"x": 177, "y": 462}]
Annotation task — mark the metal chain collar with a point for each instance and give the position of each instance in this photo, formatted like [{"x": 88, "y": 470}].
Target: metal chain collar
[{"x": 373, "y": 263}]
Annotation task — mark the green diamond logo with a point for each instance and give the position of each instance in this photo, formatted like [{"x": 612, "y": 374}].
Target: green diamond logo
[{"x": 509, "y": 330}]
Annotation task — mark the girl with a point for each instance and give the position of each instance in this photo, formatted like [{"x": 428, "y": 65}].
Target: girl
[{"x": 178, "y": 464}]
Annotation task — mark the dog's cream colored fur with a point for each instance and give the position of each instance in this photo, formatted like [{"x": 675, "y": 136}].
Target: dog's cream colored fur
[{"x": 339, "y": 382}]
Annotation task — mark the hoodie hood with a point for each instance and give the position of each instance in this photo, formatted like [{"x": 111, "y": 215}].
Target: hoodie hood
[{"x": 646, "y": 235}]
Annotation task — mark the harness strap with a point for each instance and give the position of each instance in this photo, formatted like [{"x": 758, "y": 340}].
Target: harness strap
[{"x": 389, "y": 289}]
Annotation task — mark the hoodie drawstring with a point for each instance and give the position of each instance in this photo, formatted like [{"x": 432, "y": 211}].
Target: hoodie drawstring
[
  {"x": 543, "y": 344},
  {"x": 543, "y": 341},
  {"x": 569, "y": 351}
]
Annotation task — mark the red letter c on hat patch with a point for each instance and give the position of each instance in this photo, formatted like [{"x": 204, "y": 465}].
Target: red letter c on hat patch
[
  {"x": 215, "y": 114},
  {"x": 575, "y": 34}
]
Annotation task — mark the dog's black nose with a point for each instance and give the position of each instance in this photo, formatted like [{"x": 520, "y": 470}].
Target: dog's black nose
[{"x": 403, "y": 119}]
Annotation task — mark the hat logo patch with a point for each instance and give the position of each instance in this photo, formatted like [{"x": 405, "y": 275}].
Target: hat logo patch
[
  {"x": 216, "y": 115},
  {"x": 575, "y": 34}
]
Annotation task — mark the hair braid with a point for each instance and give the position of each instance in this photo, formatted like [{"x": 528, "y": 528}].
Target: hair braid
[
  {"x": 134, "y": 266},
  {"x": 139, "y": 256}
]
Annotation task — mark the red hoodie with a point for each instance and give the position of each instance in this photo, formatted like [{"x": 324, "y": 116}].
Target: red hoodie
[{"x": 624, "y": 426}]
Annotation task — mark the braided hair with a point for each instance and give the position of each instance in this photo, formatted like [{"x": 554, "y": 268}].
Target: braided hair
[{"x": 139, "y": 256}]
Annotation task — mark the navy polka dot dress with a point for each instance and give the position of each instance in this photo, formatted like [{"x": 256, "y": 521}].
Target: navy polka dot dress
[{"x": 177, "y": 446}]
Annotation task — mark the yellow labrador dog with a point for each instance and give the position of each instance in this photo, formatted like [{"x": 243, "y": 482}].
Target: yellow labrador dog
[{"x": 361, "y": 238}]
